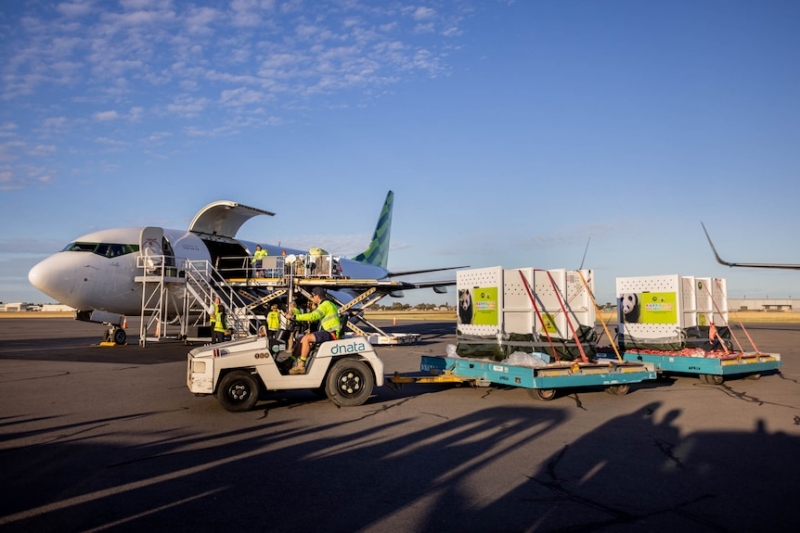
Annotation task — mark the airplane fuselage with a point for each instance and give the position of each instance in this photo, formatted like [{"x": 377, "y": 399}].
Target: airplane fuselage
[{"x": 91, "y": 273}]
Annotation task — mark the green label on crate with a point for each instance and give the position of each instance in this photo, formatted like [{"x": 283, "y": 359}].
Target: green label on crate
[
  {"x": 658, "y": 308},
  {"x": 486, "y": 306}
]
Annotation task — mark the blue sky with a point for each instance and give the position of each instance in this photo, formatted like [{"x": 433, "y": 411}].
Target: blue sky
[{"x": 511, "y": 132}]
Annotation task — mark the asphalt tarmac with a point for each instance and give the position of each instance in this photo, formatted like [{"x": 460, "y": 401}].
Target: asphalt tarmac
[{"x": 110, "y": 439}]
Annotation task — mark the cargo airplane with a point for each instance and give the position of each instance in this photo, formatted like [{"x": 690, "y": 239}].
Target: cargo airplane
[
  {"x": 787, "y": 266},
  {"x": 97, "y": 273}
]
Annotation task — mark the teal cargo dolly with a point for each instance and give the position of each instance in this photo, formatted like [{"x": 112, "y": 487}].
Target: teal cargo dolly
[
  {"x": 712, "y": 370},
  {"x": 508, "y": 317},
  {"x": 680, "y": 325},
  {"x": 543, "y": 382}
]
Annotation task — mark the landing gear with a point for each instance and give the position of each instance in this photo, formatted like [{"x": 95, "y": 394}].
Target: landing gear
[{"x": 116, "y": 335}]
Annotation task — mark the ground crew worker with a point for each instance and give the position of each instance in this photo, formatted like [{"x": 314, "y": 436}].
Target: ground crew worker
[
  {"x": 258, "y": 260},
  {"x": 219, "y": 322},
  {"x": 212, "y": 312},
  {"x": 273, "y": 321},
  {"x": 327, "y": 314}
]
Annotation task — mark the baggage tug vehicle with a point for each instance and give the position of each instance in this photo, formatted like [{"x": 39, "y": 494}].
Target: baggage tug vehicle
[{"x": 239, "y": 371}]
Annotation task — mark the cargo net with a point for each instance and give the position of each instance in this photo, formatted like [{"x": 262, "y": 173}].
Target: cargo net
[
  {"x": 698, "y": 341},
  {"x": 489, "y": 348}
]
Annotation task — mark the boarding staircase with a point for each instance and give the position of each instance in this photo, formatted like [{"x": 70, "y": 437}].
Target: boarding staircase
[{"x": 176, "y": 302}]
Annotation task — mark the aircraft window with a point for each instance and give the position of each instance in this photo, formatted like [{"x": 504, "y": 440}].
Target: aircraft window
[
  {"x": 80, "y": 247},
  {"x": 103, "y": 249}
]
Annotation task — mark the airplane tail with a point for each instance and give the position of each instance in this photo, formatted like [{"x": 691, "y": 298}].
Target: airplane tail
[{"x": 377, "y": 253}]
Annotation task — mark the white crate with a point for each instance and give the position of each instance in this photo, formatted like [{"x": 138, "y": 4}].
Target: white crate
[
  {"x": 498, "y": 302},
  {"x": 660, "y": 307}
]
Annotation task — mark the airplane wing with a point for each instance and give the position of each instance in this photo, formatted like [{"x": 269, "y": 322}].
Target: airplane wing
[
  {"x": 425, "y": 271},
  {"x": 787, "y": 266}
]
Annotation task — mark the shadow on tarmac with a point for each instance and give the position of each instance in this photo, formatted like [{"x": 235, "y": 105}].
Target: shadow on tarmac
[{"x": 636, "y": 470}]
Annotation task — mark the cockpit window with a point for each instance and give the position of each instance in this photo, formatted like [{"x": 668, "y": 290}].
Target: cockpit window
[{"x": 102, "y": 248}]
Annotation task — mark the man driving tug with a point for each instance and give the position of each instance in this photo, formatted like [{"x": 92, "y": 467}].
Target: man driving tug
[{"x": 327, "y": 314}]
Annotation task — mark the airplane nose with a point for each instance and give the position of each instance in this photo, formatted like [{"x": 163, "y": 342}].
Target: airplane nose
[{"x": 46, "y": 277}]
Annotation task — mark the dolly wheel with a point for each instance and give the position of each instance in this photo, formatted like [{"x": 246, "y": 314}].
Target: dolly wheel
[
  {"x": 238, "y": 391},
  {"x": 618, "y": 390},
  {"x": 754, "y": 377},
  {"x": 712, "y": 379},
  {"x": 542, "y": 394}
]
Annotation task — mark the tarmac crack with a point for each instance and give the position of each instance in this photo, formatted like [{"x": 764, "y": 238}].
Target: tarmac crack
[
  {"x": 666, "y": 448},
  {"x": 617, "y": 516}
]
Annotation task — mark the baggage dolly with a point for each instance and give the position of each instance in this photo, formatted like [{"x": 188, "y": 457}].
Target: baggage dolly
[
  {"x": 711, "y": 370},
  {"x": 541, "y": 382}
]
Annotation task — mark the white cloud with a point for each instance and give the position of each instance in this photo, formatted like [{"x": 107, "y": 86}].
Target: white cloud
[
  {"x": 187, "y": 106},
  {"x": 241, "y": 97},
  {"x": 42, "y": 150},
  {"x": 423, "y": 13},
  {"x": 8, "y": 129},
  {"x": 105, "y": 116},
  {"x": 74, "y": 9},
  {"x": 137, "y": 60}
]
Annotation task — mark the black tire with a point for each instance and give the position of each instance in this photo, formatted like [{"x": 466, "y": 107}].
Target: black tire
[
  {"x": 238, "y": 391},
  {"x": 714, "y": 379},
  {"x": 349, "y": 382},
  {"x": 544, "y": 395},
  {"x": 120, "y": 337},
  {"x": 618, "y": 390}
]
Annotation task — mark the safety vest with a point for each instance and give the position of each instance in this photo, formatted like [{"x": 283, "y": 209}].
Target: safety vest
[
  {"x": 327, "y": 313},
  {"x": 259, "y": 255},
  {"x": 220, "y": 325},
  {"x": 273, "y": 320}
]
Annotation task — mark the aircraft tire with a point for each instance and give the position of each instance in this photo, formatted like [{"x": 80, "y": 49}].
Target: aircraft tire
[
  {"x": 120, "y": 337},
  {"x": 349, "y": 382},
  {"x": 238, "y": 391}
]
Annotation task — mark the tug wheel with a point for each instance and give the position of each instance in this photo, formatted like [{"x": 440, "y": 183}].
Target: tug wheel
[
  {"x": 618, "y": 390},
  {"x": 349, "y": 383},
  {"x": 542, "y": 394},
  {"x": 238, "y": 391}
]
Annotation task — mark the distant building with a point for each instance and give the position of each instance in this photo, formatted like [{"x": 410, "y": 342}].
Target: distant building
[
  {"x": 764, "y": 304},
  {"x": 52, "y": 308},
  {"x": 14, "y": 307}
]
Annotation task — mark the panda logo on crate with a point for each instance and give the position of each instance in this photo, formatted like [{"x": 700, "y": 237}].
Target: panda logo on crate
[
  {"x": 629, "y": 303},
  {"x": 464, "y": 306}
]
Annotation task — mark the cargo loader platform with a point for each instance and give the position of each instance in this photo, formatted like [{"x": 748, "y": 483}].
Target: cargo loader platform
[{"x": 541, "y": 382}]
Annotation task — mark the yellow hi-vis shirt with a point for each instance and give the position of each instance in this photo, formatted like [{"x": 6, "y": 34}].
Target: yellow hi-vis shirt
[
  {"x": 326, "y": 313},
  {"x": 273, "y": 320}
]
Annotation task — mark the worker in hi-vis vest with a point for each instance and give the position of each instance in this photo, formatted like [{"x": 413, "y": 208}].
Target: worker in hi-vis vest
[
  {"x": 328, "y": 316},
  {"x": 273, "y": 321},
  {"x": 258, "y": 260}
]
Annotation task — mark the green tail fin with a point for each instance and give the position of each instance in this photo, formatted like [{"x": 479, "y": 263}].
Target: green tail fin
[{"x": 378, "y": 252}]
